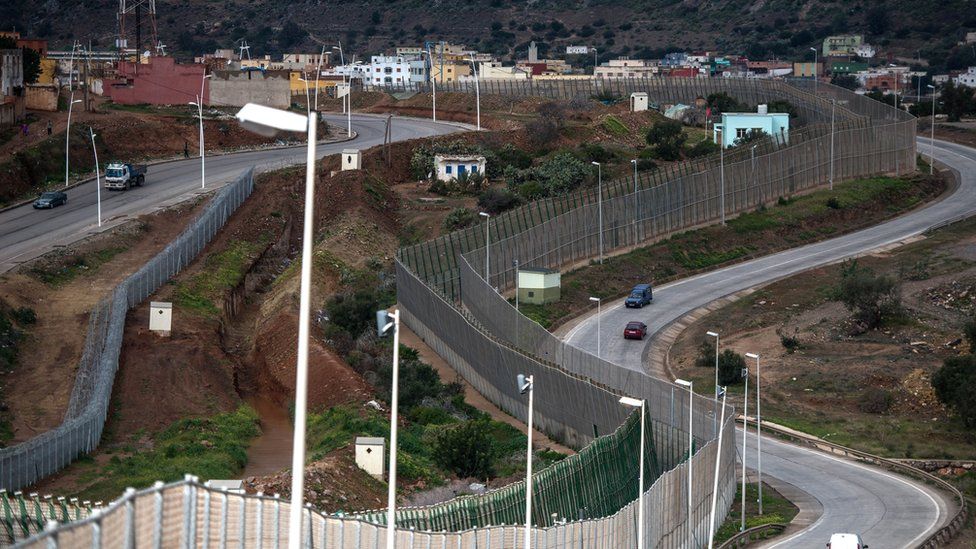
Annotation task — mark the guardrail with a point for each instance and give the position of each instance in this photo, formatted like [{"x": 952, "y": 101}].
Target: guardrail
[
  {"x": 763, "y": 531},
  {"x": 938, "y": 538}
]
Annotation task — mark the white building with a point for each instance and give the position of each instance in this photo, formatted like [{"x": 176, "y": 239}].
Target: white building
[
  {"x": 493, "y": 70},
  {"x": 388, "y": 70},
  {"x": 626, "y": 68},
  {"x": 865, "y": 51},
  {"x": 11, "y": 71},
  {"x": 967, "y": 78},
  {"x": 452, "y": 166}
]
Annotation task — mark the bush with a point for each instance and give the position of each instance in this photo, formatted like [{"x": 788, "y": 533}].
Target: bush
[
  {"x": 785, "y": 201},
  {"x": 730, "y": 365},
  {"x": 723, "y": 102},
  {"x": 875, "y": 400},
  {"x": 667, "y": 139},
  {"x": 496, "y": 201},
  {"x": 560, "y": 174},
  {"x": 789, "y": 342},
  {"x": 353, "y": 313},
  {"x": 969, "y": 332},
  {"x": 467, "y": 448},
  {"x": 593, "y": 152},
  {"x": 646, "y": 164},
  {"x": 418, "y": 380},
  {"x": 459, "y": 218},
  {"x": 872, "y": 298},
  {"x": 833, "y": 203},
  {"x": 25, "y": 316},
  {"x": 955, "y": 383},
  {"x": 704, "y": 147},
  {"x": 706, "y": 354}
]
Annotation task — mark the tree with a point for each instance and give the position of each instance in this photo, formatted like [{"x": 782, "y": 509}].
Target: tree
[
  {"x": 872, "y": 298},
  {"x": 466, "y": 448},
  {"x": 722, "y": 102},
  {"x": 31, "y": 59},
  {"x": 958, "y": 101},
  {"x": 878, "y": 19},
  {"x": 496, "y": 201},
  {"x": 848, "y": 81},
  {"x": 955, "y": 383},
  {"x": 667, "y": 139},
  {"x": 730, "y": 365},
  {"x": 459, "y": 218}
]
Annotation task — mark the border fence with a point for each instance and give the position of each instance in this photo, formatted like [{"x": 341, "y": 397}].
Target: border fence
[
  {"x": 462, "y": 315},
  {"x": 84, "y": 420}
]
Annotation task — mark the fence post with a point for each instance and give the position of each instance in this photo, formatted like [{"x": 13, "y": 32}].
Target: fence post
[{"x": 158, "y": 525}]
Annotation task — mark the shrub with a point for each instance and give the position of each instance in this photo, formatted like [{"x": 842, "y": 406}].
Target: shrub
[
  {"x": 969, "y": 331},
  {"x": 418, "y": 380},
  {"x": 872, "y": 298},
  {"x": 730, "y": 365},
  {"x": 785, "y": 201},
  {"x": 646, "y": 164},
  {"x": 706, "y": 354},
  {"x": 789, "y": 342},
  {"x": 955, "y": 383},
  {"x": 702, "y": 148},
  {"x": 875, "y": 400},
  {"x": 467, "y": 448},
  {"x": 25, "y": 316},
  {"x": 496, "y": 201},
  {"x": 722, "y": 102},
  {"x": 353, "y": 313},
  {"x": 667, "y": 139},
  {"x": 833, "y": 203},
  {"x": 593, "y": 152},
  {"x": 459, "y": 218}
]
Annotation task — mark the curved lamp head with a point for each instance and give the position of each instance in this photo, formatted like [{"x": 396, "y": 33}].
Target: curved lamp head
[{"x": 268, "y": 121}]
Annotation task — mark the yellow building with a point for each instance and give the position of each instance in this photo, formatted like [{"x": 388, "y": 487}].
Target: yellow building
[
  {"x": 298, "y": 86},
  {"x": 48, "y": 67},
  {"x": 452, "y": 71}
]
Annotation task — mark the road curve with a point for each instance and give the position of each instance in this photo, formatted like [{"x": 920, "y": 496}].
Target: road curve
[
  {"x": 26, "y": 233},
  {"x": 889, "y": 511}
]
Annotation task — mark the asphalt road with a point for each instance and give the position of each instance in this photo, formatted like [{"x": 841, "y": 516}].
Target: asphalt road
[
  {"x": 26, "y": 233},
  {"x": 887, "y": 510}
]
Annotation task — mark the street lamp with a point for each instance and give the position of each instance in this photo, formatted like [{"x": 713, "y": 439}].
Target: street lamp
[
  {"x": 268, "y": 121},
  {"x": 833, "y": 106},
  {"x": 477, "y": 89},
  {"x": 745, "y": 437},
  {"x": 932, "y": 138},
  {"x": 815, "y": 71},
  {"x": 633, "y": 402},
  {"x": 318, "y": 73},
  {"x": 386, "y": 321},
  {"x": 515, "y": 263},
  {"x": 599, "y": 321},
  {"x": 599, "y": 190},
  {"x": 758, "y": 428},
  {"x": 67, "y": 137},
  {"x": 526, "y": 383},
  {"x": 636, "y": 200},
  {"x": 715, "y": 335},
  {"x": 721, "y": 193},
  {"x": 308, "y": 102},
  {"x": 487, "y": 217},
  {"x": 433, "y": 84},
  {"x": 718, "y": 461},
  {"x": 98, "y": 181},
  {"x": 752, "y": 156},
  {"x": 691, "y": 446}
]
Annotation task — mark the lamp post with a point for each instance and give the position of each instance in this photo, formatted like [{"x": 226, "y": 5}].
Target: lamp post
[
  {"x": 526, "y": 383},
  {"x": 384, "y": 322},
  {"x": 308, "y": 102},
  {"x": 268, "y": 121},
  {"x": 815, "y": 71},
  {"x": 718, "y": 461},
  {"x": 745, "y": 437},
  {"x": 752, "y": 160},
  {"x": 595, "y": 62},
  {"x": 599, "y": 321},
  {"x": 721, "y": 194},
  {"x": 487, "y": 217},
  {"x": 515, "y": 263},
  {"x": 636, "y": 201},
  {"x": 433, "y": 85},
  {"x": 477, "y": 89},
  {"x": 599, "y": 190},
  {"x": 833, "y": 106},
  {"x": 932, "y": 134},
  {"x": 633, "y": 402},
  {"x": 318, "y": 73},
  {"x": 691, "y": 447},
  {"x": 98, "y": 181},
  {"x": 67, "y": 137},
  {"x": 342, "y": 61},
  {"x": 758, "y": 428},
  {"x": 715, "y": 335}
]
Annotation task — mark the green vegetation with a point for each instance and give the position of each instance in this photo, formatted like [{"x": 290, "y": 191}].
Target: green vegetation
[
  {"x": 214, "y": 447},
  {"x": 955, "y": 381},
  {"x": 202, "y": 292},
  {"x": 14, "y": 324},
  {"x": 70, "y": 267},
  {"x": 695, "y": 259},
  {"x": 873, "y": 298},
  {"x": 776, "y": 509},
  {"x": 667, "y": 138},
  {"x": 614, "y": 126},
  {"x": 560, "y": 174},
  {"x": 730, "y": 363},
  {"x": 459, "y": 218}
]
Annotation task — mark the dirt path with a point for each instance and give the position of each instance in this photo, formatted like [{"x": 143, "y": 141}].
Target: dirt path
[
  {"x": 270, "y": 452},
  {"x": 472, "y": 396}
]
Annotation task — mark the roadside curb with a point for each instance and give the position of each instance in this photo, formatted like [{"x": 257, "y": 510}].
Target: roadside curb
[{"x": 171, "y": 160}]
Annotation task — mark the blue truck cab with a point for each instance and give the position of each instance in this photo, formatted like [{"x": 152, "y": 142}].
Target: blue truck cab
[{"x": 641, "y": 295}]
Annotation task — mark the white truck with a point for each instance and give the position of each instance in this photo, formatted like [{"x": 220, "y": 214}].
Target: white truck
[{"x": 121, "y": 176}]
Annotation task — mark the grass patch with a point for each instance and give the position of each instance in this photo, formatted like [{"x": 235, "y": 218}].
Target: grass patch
[
  {"x": 700, "y": 259},
  {"x": 614, "y": 126},
  {"x": 211, "y": 448},
  {"x": 222, "y": 271},
  {"x": 776, "y": 508},
  {"x": 75, "y": 265}
]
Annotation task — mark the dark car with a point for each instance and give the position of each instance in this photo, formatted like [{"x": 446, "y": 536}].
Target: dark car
[
  {"x": 635, "y": 330},
  {"x": 51, "y": 199},
  {"x": 641, "y": 295}
]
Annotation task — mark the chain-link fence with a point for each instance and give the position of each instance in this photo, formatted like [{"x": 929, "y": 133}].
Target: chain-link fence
[{"x": 45, "y": 454}]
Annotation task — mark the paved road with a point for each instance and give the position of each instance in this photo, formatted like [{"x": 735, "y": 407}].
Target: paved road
[
  {"x": 26, "y": 233},
  {"x": 890, "y": 511}
]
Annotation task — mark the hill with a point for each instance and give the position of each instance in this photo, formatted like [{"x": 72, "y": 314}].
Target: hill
[{"x": 638, "y": 28}]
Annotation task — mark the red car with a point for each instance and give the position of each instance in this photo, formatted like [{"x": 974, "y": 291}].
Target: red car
[{"x": 635, "y": 330}]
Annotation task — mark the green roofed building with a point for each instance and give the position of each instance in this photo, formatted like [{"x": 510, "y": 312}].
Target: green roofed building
[{"x": 847, "y": 67}]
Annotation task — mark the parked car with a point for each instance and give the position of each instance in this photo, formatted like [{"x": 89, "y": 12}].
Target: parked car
[
  {"x": 846, "y": 541},
  {"x": 635, "y": 330},
  {"x": 50, "y": 200},
  {"x": 641, "y": 295}
]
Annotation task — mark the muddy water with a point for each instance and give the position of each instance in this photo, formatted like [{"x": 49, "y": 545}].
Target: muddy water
[{"x": 271, "y": 451}]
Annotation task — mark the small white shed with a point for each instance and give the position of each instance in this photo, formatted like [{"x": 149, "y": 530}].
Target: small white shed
[
  {"x": 638, "y": 101},
  {"x": 351, "y": 159},
  {"x": 231, "y": 486},
  {"x": 538, "y": 286},
  {"x": 160, "y": 317},
  {"x": 370, "y": 454},
  {"x": 448, "y": 167}
]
